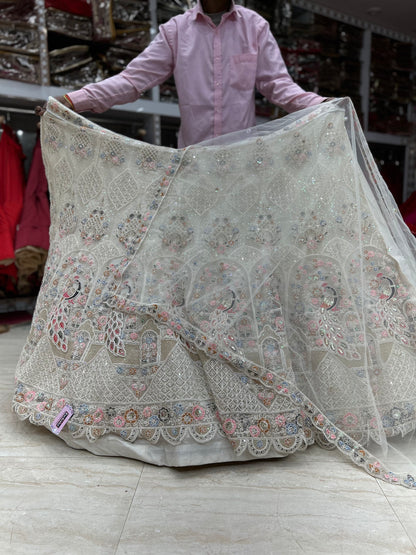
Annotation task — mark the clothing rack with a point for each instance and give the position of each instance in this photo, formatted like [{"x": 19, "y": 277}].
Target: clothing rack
[{"x": 8, "y": 110}]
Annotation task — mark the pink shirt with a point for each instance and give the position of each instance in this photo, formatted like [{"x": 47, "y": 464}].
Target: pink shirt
[{"x": 216, "y": 70}]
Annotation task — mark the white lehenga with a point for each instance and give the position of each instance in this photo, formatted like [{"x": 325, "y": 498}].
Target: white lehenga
[{"x": 241, "y": 298}]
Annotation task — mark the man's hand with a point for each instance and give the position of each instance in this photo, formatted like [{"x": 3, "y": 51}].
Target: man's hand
[{"x": 40, "y": 110}]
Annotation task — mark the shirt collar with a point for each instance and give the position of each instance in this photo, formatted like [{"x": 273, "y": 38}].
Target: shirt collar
[{"x": 198, "y": 10}]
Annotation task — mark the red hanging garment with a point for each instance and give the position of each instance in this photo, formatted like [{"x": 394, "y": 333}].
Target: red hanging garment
[
  {"x": 32, "y": 238},
  {"x": 35, "y": 219},
  {"x": 12, "y": 185},
  {"x": 408, "y": 211}
]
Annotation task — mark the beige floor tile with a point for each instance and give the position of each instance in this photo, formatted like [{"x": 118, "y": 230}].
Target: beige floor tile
[
  {"x": 11, "y": 345},
  {"x": 403, "y": 503},
  {"x": 262, "y": 508},
  {"x": 22, "y": 439},
  {"x": 58, "y": 507}
]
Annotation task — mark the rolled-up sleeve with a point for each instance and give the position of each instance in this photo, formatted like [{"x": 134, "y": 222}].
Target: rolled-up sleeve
[
  {"x": 150, "y": 68},
  {"x": 273, "y": 80}
]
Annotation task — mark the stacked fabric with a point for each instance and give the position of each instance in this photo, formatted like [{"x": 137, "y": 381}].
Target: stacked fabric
[
  {"x": 19, "y": 41},
  {"x": 392, "y": 86}
]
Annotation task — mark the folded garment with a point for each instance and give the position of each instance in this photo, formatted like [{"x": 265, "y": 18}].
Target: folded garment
[
  {"x": 116, "y": 59},
  {"x": 20, "y": 67},
  {"x": 169, "y": 8},
  {"x": 81, "y": 19},
  {"x": 168, "y": 91},
  {"x": 18, "y": 11},
  {"x": 30, "y": 263},
  {"x": 69, "y": 58},
  {"x": 131, "y": 11},
  {"x": 103, "y": 24},
  {"x": 90, "y": 72},
  {"x": 69, "y": 24},
  {"x": 19, "y": 38},
  {"x": 130, "y": 38}
]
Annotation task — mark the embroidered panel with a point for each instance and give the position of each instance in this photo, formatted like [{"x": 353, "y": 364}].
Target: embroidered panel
[{"x": 247, "y": 291}]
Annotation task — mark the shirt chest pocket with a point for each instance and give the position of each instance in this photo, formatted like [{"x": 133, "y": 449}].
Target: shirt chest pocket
[{"x": 243, "y": 71}]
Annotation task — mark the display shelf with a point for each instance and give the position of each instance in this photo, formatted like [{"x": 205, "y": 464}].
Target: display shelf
[
  {"x": 318, "y": 8},
  {"x": 386, "y": 139},
  {"x": 19, "y": 94},
  {"x": 43, "y": 41},
  {"x": 365, "y": 59},
  {"x": 366, "y": 86},
  {"x": 21, "y": 98},
  {"x": 24, "y": 92}
]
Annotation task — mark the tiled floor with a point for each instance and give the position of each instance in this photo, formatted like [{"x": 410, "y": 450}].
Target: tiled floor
[{"x": 55, "y": 500}]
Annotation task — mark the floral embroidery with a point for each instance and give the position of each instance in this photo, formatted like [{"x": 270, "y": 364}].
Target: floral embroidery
[
  {"x": 177, "y": 233},
  {"x": 229, "y": 426},
  {"x": 119, "y": 421},
  {"x": 81, "y": 144},
  {"x": 94, "y": 227},
  {"x": 254, "y": 431}
]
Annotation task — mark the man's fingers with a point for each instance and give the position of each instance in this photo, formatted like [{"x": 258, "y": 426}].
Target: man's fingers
[{"x": 39, "y": 110}]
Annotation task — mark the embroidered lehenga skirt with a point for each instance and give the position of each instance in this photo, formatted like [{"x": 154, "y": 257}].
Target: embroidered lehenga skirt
[{"x": 242, "y": 298}]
